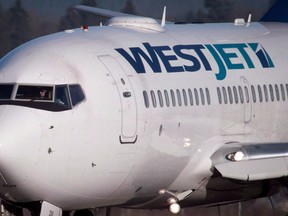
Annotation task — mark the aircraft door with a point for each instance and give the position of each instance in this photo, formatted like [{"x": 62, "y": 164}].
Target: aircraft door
[
  {"x": 129, "y": 108},
  {"x": 247, "y": 100}
]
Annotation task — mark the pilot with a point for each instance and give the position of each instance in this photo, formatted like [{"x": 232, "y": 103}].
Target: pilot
[{"x": 43, "y": 94}]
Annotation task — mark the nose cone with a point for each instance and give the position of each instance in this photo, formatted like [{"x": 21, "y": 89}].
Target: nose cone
[{"x": 20, "y": 133}]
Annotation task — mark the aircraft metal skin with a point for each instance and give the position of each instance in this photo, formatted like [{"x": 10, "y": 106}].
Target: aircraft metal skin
[{"x": 115, "y": 148}]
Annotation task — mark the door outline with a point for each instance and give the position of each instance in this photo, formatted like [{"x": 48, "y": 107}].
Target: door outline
[
  {"x": 247, "y": 105},
  {"x": 129, "y": 113}
]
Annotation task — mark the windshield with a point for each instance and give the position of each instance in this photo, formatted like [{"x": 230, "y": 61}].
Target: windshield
[
  {"x": 51, "y": 98},
  {"x": 34, "y": 93},
  {"x": 6, "y": 91},
  {"x": 62, "y": 96}
]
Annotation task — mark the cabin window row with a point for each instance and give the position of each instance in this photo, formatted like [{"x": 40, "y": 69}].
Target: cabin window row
[
  {"x": 167, "y": 98},
  {"x": 269, "y": 93},
  {"x": 261, "y": 93}
]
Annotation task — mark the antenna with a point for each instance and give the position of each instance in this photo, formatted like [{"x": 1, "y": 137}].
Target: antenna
[
  {"x": 163, "y": 17},
  {"x": 249, "y": 18}
]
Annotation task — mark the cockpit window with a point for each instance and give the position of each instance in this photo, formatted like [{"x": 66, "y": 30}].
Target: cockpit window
[
  {"x": 51, "y": 98},
  {"x": 6, "y": 91},
  {"x": 62, "y": 96},
  {"x": 76, "y": 93},
  {"x": 34, "y": 93}
]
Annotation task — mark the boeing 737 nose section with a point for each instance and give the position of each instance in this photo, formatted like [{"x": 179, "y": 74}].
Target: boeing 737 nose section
[{"x": 19, "y": 143}]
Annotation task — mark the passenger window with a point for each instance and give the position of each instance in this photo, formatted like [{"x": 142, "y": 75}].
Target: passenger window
[
  {"x": 184, "y": 97},
  {"x": 260, "y": 93},
  {"x": 173, "y": 97},
  {"x": 219, "y": 95},
  {"x": 277, "y": 92},
  {"x": 224, "y": 95},
  {"x": 287, "y": 90},
  {"x": 154, "y": 102},
  {"x": 62, "y": 96},
  {"x": 202, "y": 96},
  {"x": 160, "y": 98},
  {"x": 146, "y": 99},
  {"x": 271, "y": 92},
  {"x": 253, "y": 93},
  {"x": 241, "y": 94},
  {"x": 167, "y": 98},
  {"x": 247, "y": 94},
  {"x": 76, "y": 93},
  {"x": 6, "y": 91},
  {"x": 196, "y": 96},
  {"x": 235, "y": 94},
  {"x": 282, "y": 92},
  {"x": 208, "y": 96},
  {"x": 179, "y": 97},
  {"x": 190, "y": 96},
  {"x": 230, "y": 95},
  {"x": 266, "y": 93}
]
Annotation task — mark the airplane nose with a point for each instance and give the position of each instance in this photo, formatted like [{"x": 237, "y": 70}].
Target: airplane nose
[{"x": 20, "y": 133}]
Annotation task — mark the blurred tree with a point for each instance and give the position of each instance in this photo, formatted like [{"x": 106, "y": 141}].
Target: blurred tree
[
  {"x": 74, "y": 19},
  {"x": 18, "y": 25},
  {"x": 190, "y": 18},
  {"x": 129, "y": 8},
  {"x": 42, "y": 27},
  {"x": 70, "y": 20},
  {"x": 4, "y": 36},
  {"x": 218, "y": 10},
  {"x": 199, "y": 17}
]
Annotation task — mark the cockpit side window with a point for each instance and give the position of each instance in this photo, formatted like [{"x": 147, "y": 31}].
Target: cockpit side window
[
  {"x": 6, "y": 91},
  {"x": 26, "y": 92},
  {"x": 62, "y": 95},
  {"x": 76, "y": 93}
]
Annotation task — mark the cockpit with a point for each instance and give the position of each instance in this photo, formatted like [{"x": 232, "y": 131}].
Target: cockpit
[{"x": 46, "y": 97}]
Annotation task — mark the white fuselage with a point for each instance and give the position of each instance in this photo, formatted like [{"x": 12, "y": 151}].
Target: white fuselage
[{"x": 112, "y": 148}]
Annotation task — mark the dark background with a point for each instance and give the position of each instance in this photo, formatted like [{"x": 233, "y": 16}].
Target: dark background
[{"x": 23, "y": 20}]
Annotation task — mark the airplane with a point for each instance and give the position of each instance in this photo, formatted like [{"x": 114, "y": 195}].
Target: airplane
[{"x": 144, "y": 114}]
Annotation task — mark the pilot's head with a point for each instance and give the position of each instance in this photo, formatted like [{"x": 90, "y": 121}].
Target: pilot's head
[{"x": 43, "y": 93}]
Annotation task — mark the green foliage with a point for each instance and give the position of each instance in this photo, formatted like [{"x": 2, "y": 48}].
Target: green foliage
[
  {"x": 19, "y": 26},
  {"x": 74, "y": 19},
  {"x": 4, "y": 34},
  {"x": 214, "y": 11},
  {"x": 14, "y": 27},
  {"x": 129, "y": 8},
  {"x": 70, "y": 20},
  {"x": 218, "y": 10}
]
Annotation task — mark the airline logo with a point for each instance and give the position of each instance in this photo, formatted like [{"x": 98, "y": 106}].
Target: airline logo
[{"x": 234, "y": 56}]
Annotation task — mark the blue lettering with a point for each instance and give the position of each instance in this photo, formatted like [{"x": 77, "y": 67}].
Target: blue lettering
[
  {"x": 262, "y": 55},
  {"x": 137, "y": 63},
  {"x": 223, "y": 54},
  {"x": 222, "y": 70},
  {"x": 241, "y": 48},
  {"x": 226, "y": 56},
  {"x": 166, "y": 58},
  {"x": 204, "y": 60},
  {"x": 196, "y": 64}
]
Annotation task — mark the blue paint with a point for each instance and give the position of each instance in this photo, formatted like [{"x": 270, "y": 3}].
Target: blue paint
[
  {"x": 222, "y": 70},
  {"x": 228, "y": 57}
]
